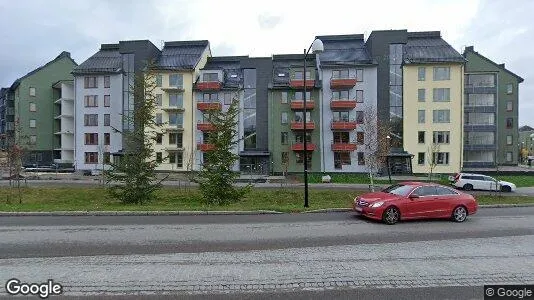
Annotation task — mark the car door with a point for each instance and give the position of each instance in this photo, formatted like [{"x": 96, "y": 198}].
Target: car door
[
  {"x": 445, "y": 201},
  {"x": 491, "y": 183},
  {"x": 479, "y": 183},
  {"x": 424, "y": 205}
]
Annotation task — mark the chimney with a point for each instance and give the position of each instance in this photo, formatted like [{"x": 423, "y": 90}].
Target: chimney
[
  {"x": 470, "y": 49},
  {"x": 501, "y": 65}
]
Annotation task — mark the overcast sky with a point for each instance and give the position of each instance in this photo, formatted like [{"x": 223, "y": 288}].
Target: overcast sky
[{"x": 34, "y": 32}]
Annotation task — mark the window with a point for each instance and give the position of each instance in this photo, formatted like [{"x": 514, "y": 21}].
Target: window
[
  {"x": 359, "y": 96},
  {"x": 299, "y": 137},
  {"x": 508, "y": 140},
  {"x": 421, "y": 72},
  {"x": 359, "y": 117},
  {"x": 284, "y": 118},
  {"x": 159, "y": 138},
  {"x": 176, "y": 119},
  {"x": 91, "y": 100},
  {"x": 39, "y": 157},
  {"x": 340, "y": 116},
  {"x": 300, "y": 158},
  {"x": 441, "y": 137},
  {"x": 107, "y": 158},
  {"x": 32, "y": 106},
  {"x": 177, "y": 80},
  {"x": 480, "y": 118},
  {"x": 359, "y": 75},
  {"x": 210, "y": 77},
  {"x": 107, "y": 119},
  {"x": 341, "y": 158},
  {"x": 340, "y": 74},
  {"x": 481, "y": 100},
  {"x": 421, "y": 116},
  {"x": 159, "y": 80},
  {"x": 285, "y": 157},
  {"x": 107, "y": 138},
  {"x": 421, "y": 137},
  {"x": 32, "y": 123},
  {"x": 91, "y": 157},
  {"x": 107, "y": 101},
  {"x": 360, "y": 138},
  {"x": 106, "y": 82},
  {"x": 210, "y": 97},
  {"x": 509, "y": 88},
  {"x": 336, "y": 95},
  {"x": 91, "y": 138},
  {"x": 172, "y": 158},
  {"x": 159, "y": 157},
  {"x": 159, "y": 100},
  {"x": 421, "y": 158},
  {"x": 421, "y": 95},
  {"x": 442, "y": 95},
  {"x": 32, "y": 91},
  {"x": 227, "y": 98},
  {"x": 480, "y": 138},
  {"x": 298, "y": 75},
  {"x": 361, "y": 159},
  {"x": 33, "y": 139},
  {"x": 441, "y": 116},
  {"x": 159, "y": 119},
  {"x": 90, "y": 82},
  {"x": 176, "y": 100},
  {"x": 179, "y": 140},
  {"x": 90, "y": 120},
  {"x": 442, "y": 73},
  {"x": 509, "y": 106},
  {"x": 179, "y": 159},
  {"x": 284, "y": 97},
  {"x": 284, "y": 138},
  {"x": 441, "y": 158},
  {"x": 341, "y": 137},
  {"x": 509, "y": 156},
  {"x": 509, "y": 123},
  {"x": 300, "y": 95},
  {"x": 444, "y": 191},
  {"x": 481, "y": 80},
  {"x": 299, "y": 116}
]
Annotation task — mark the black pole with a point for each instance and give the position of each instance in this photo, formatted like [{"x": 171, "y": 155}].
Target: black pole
[{"x": 305, "y": 138}]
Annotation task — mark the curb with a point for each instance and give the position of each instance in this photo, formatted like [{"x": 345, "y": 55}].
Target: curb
[{"x": 203, "y": 212}]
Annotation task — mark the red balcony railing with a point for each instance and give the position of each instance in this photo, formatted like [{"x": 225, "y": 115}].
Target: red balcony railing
[
  {"x": 299, "y": 104},
  {"x": 209, "y": 86},
  {"x": 342, "y": 83},
  {"x": 209, "y": 106},
  {"x": 300, "y": 147},
  {"x": 300, "y": 125},
  {"x": 344, "y": 147},
  {"x": 342, "y": 104},
  {"x": 205, "y": 147},
  {"x": 205, "y": 126},
  {"x": 343, "y": 125},
  {"x": 299, "y": 83}
]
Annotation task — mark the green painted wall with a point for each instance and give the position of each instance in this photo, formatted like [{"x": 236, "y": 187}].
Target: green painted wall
[
  {"x": 44, "y": 98},
  {"x": 477, "y": 63},
  {"x": 276, "y": 108}
]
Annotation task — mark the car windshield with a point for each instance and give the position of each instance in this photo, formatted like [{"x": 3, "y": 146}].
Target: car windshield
[{"x": 399, "y": 189}]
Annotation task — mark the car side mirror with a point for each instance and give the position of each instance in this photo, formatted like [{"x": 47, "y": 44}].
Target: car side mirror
[{"x": 412, "y": 196}]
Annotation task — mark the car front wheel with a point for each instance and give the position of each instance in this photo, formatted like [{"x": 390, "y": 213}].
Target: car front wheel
[
  {"x": 459, "y": 214},
  {"x": 506, "y": 189},
  {"x": 391, "y": 215}
]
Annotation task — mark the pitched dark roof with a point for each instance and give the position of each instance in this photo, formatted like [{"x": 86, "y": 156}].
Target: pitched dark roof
[
  {"x": 230, "y": 65},
  {"x": 344, "y": 50},
  {"x": 107, "y": 60},
  {"x": 500, "y": 66},
  {"x": 525, "y": 128},
  {"x": 63, "y": 54},
  {"x": 282, "y": 63},
  {"x": 429, "y": 47},
  {"x": 181, "y": 55}
]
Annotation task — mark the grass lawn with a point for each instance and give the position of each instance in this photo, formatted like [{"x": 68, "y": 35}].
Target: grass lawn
[
  {"x": 345, "y": 178},
  {"x": 285, "y": 200},
  {"x": 518, "y": 180}
]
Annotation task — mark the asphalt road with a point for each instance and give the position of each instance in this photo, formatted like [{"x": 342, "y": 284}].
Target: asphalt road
[{"x": 288, "y": 256}]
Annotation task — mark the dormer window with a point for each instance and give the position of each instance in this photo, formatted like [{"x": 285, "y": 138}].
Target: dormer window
[
  {"x": 281, "y": 75},
  {"x": 210, "y": 77},
  {"x": 340, "y": 74},
  {"x": 233, "y": 76}
]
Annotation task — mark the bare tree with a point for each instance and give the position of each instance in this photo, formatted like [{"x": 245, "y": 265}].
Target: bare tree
[
  {"x": 431, "y": 153},
  {"x": 17, "y": 148},
  {"x": 375, "y": 144}
]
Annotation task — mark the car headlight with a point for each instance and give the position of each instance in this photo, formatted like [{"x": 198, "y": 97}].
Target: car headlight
[{"x": 376, "y": 204}]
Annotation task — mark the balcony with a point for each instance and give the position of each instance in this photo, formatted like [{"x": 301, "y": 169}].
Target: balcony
[
  {"x": 205, "y": 126},
  {"x": 172, "y": 108},
  {"x": 203, "y": 106},
  {"x": 209, "y": 86},
  {"x": 342, "y": 83},
  {"x": 295, "y": 125},
  {"x": 343, "y": 125},
  {"x": 205, "y": 147},
  {"x": 172, "y": 127},
  {"x": 342, "y": 104},
  {"x": 173, "y": 88},
  {"x": 299, "y": 104},
  {"x": 174, "y": 148},
  {"x": 344, "y": 147},
  {"x": 300, "y": 147},
  {"x": 299, "y": 83}
]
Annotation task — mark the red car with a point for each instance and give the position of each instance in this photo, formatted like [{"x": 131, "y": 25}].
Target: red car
[{"x": 415, "y": 200}]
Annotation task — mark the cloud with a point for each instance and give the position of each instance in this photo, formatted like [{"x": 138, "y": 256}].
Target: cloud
[{"x": 268, "y": 22}]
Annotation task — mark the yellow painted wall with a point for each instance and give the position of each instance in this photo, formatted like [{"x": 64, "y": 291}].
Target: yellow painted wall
[{"x": 411, "y": 105}]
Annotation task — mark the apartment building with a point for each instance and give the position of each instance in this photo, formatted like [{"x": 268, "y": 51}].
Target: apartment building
[
  {"x": 491, "y": 113},
  {"x": 176, "y": 70},
  {"x": 104, "y": 101},
  {"x": 433, "y": 91},
  {"x": 64, "y": 123},
  {"x": 29, "y": 115},
  {"x": 7, "y": 117},
  {"x": 348, "y": 79},
  {"x": 286, "y": 114}
]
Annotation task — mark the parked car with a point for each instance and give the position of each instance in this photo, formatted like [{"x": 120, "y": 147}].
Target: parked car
[
  {"x": 416, "y": 200},
  {"x": 469, "y": 181}
]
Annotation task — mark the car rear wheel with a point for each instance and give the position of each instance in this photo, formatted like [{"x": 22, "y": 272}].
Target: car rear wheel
[
  {"x": 459, "y": 214},
  {"x": 506, "y": 189},
  {"x": 391, "y": 215},
  {"x": 468, "y": 187}
]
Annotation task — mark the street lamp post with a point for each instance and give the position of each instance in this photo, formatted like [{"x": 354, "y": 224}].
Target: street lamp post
[{"x": 316, "y": 47}]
